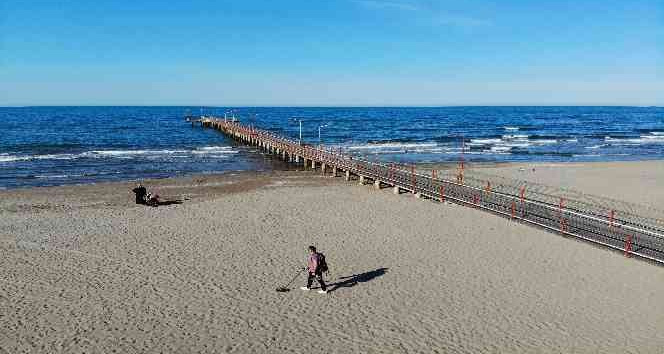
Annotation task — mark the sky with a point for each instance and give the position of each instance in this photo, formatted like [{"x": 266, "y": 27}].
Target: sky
[{"x": 332, "y": 53}]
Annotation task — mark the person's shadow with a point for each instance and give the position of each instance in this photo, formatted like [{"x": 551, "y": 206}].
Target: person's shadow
[
  {"x": 169, "y": 202},
  {"x": 352, "y": 280}
]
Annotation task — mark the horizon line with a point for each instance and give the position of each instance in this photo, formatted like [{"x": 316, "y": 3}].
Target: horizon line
[{"x": 337, "y": 106}]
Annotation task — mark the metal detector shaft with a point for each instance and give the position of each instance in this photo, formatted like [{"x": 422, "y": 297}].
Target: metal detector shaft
[
  {"x": 295, "y": 277},
  {"x": 292, "y": 280}
]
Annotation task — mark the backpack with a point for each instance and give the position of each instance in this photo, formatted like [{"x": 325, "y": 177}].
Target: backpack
[{"x": 322, "y": 264}]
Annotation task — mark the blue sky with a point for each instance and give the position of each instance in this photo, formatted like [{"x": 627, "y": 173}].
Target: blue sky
[{"x": 335, "y": 52}]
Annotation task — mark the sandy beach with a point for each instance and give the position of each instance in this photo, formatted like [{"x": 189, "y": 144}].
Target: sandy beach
[{"x": 84, "y": 269}]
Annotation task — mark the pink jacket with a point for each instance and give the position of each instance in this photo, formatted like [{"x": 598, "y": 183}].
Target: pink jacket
[{"x": 312, "y": 262}]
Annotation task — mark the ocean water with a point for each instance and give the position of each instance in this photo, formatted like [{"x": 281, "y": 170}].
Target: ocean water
[{"x": 64, "y": 145}]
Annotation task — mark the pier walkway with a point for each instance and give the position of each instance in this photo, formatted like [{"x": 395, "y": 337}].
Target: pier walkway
[{"x": 620, "y": 231}]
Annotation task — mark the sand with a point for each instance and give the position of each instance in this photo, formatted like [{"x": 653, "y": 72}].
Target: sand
[
  {"x": 85, "y": 270},
  {"x": 639, "y": 182}
]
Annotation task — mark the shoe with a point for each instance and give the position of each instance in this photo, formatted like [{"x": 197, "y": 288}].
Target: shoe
[
  {"x": 322, "y": 291},
  {"x": 304, "y": 288}
]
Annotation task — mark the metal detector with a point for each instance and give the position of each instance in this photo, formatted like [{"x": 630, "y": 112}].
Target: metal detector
[{"x": 285, "y": 288}]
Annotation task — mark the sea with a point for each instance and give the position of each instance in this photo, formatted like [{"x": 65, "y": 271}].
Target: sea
[{"x": 45, "y": 146}]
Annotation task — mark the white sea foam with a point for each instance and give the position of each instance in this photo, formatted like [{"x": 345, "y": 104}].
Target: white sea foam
[
  {"x": 500, "y": 148},
  {"x": 515, "y": 137},
  {"x": 215, "y": 148},
  {"x": 56, "y": 176},
  {"x": 653, "y": 137},
  {"x": 544, "y": 141},
  {"x": 123, "y": 154},
  {"x": 643, "y": 139},
  {"x": 10, "y": 158},
  {"x": 521, "y": 145},
  {"x": 511, "y": 128},
  {"x": 479, "y": 142},
  {"x": 390, "y": 146}
]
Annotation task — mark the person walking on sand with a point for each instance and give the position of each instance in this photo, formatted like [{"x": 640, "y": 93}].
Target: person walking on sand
[{"x": 315, "y": 270}]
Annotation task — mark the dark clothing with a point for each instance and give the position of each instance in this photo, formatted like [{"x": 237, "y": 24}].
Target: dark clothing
[
  {"x": 141, "y": 192},
  {"x": 319, "y": 277}
]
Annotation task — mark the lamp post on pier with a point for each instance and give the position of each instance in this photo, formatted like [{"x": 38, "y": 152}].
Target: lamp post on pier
[
  {"x": 232, "y": 113},
  {"x": 320, "y": 126},
  {"x": 299, "y": 142}
]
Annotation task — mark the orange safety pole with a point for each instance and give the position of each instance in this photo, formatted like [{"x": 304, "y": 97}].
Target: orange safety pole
[
  {"x": 560, "y": 210},
  {"x": 412, "y": 173},
  {"x": 628, "y": 246},
  {"x": 442, "y": 193},
  {"x": 523, "y": 199},
  {"x": 611, "y": 217},
  {"x": 433, "y": 174},
  {"x": 488, "y": 186},
  {"x": 513, "y": 208}
]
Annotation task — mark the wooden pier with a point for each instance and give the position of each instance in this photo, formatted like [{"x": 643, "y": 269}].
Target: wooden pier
[{"x": 625, "y": 234}]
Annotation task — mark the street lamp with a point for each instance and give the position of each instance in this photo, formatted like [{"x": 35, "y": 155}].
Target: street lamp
[
  {"x": 320, "y": 126},
  {"x": 230, "y": 111},
  {"x": 299, "y": 142}
]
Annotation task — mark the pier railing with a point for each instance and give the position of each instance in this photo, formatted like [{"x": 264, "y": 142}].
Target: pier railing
[{"x": 618, "y": 229}]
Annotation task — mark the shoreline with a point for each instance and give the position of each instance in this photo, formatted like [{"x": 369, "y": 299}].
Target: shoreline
[{"x": 556, "y": 175}]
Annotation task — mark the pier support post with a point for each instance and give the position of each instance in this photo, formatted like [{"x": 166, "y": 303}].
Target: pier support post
[
  {"x": 334, "y": 171},
  {"x": 361, "y": 180},
  {"x": 395, "y": 190},
  {"x": 313, "y": 164},
  {"x": 347, "y": 175},
  {"x": 377, "y": 184},
  {"x": 297, "y": 158},
  {"x": 283, "y": 154},
  {"x": 323, "y": 168}
]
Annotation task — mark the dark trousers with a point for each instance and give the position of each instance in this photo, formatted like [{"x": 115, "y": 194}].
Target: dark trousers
[{"x": 319, "y": 277}]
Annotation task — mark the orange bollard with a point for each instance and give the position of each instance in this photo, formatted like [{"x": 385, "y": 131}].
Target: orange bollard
[
  {"x": 611, "y": 218},
  {"x": 513, "y": 209},
  {"x": 628, "y": 246},
  {"x": 442, "y": 193},
  {"x": 523, "y": 199},
  {"x": 412, "y": 173},
  {"x": 560, "y": 210}
]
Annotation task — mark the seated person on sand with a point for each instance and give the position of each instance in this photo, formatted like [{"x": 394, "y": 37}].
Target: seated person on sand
[
  {"x": 140, "y": 192},
  {"x": 145, "y": 198}
]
